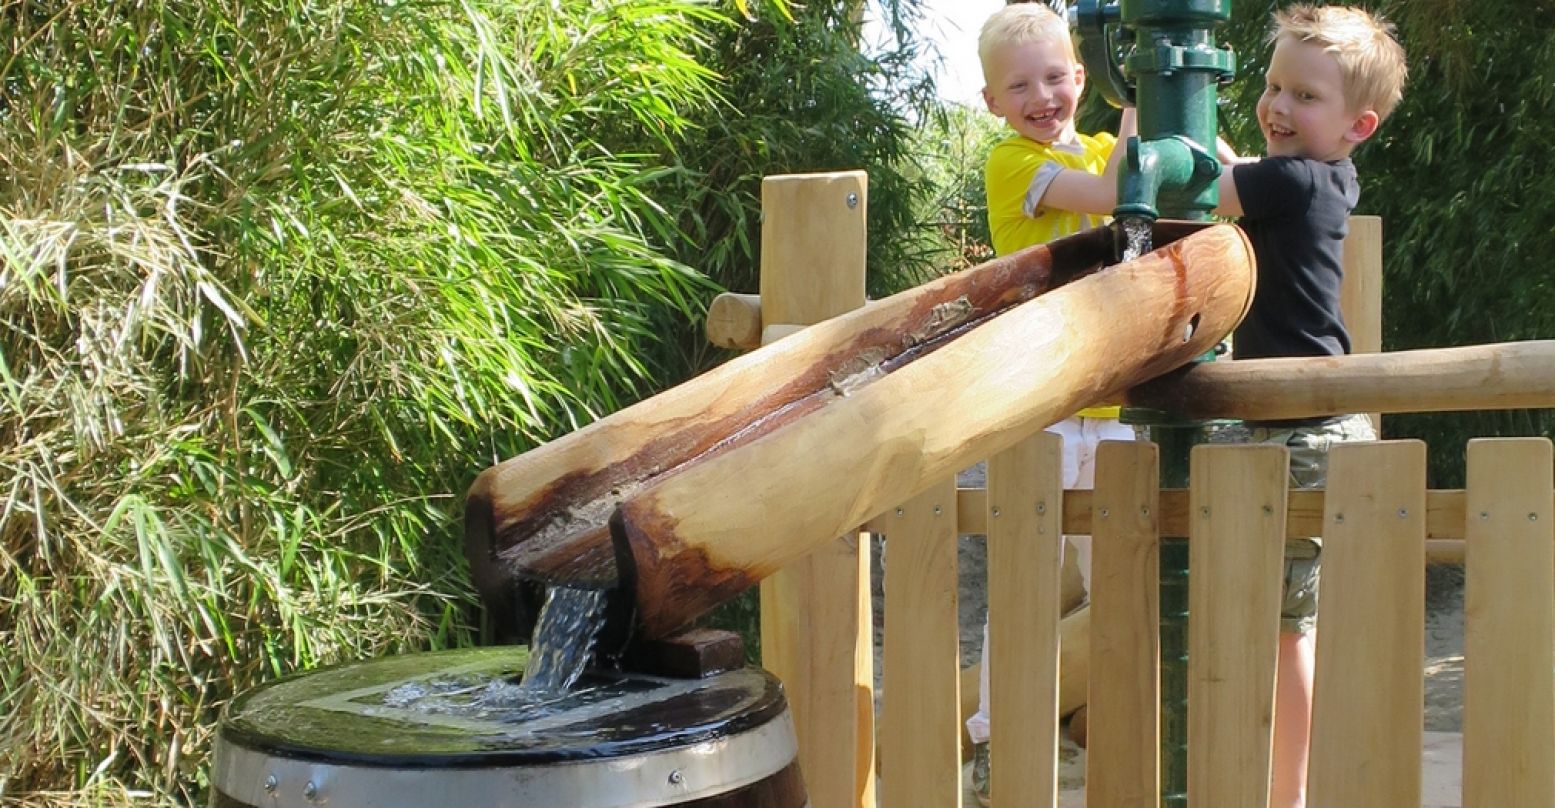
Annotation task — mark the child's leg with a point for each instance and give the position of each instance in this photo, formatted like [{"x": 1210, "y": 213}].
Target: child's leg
[
  {"x": 1292, "y": 720},
  {"x": 977, "y": 725},
  {"x": 1303, "y": 558}
]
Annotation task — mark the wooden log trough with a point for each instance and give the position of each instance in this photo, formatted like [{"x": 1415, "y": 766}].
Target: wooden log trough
[{"x": 691, "y": 496}]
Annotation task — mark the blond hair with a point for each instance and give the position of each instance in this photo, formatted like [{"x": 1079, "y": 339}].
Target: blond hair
[
  {"x": 1371, "y": 62},
  {"x": 1020, "y": 24}
]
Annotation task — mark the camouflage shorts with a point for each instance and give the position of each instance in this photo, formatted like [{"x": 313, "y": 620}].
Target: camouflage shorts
[{"x": 1308, "y": 447}]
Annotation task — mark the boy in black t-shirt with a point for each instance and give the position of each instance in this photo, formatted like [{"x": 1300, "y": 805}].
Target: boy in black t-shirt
[{"x": 1335, "y": 74}]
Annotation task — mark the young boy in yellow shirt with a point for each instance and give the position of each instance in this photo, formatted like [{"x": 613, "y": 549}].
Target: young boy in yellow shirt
[
  {"x": 1044, "y": 182},
  {"x": 1336, "y": 73}
]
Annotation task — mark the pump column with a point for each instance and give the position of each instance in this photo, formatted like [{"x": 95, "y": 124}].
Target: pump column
[{"x": 1170, "y": 70}]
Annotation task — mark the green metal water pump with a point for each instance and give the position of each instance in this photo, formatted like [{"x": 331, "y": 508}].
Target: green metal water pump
[{"x": 1161, "y": 56}]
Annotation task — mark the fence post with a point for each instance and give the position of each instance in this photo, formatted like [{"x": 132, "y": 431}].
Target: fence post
[
  {"x": 1360, "y": 292},
  {"x": 1123, "y": 759},
  {"x": 816, "y": 629},
  {"x": 1367, "y": 729},
  {"x": 1025, "y": 534},
  {"x": 1509, "y": 610}
]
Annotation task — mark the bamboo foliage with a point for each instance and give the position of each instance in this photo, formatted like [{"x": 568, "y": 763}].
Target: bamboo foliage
[{"x": 276, "y": 279}]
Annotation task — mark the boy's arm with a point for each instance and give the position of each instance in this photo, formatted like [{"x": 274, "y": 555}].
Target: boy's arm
[
  {"x": 1230, "y": 201},
  {"x": 1083, "y": 192}
]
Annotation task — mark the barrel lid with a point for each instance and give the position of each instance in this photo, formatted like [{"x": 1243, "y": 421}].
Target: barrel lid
[{"x": 463, "y": 709}]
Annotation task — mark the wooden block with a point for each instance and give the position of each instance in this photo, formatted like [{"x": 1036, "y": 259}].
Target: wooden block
[
  {"x": 694, "y": 654},
  {"x": 1509, "y": 639}
]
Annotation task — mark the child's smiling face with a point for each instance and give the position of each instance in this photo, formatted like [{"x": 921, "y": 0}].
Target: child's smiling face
[
  {"x": 1303, "y": 111},
  {"x": 1035, "y": 87}
]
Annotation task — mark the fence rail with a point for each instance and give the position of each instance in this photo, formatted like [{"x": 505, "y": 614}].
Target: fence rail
[{"x": 1444, "y": 508}]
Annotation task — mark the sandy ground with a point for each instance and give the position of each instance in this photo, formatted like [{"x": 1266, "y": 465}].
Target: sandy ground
[{"x": 1443, "y": 663}]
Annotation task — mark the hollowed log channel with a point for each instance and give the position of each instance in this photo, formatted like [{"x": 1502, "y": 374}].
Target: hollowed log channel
[{"x": 543, "y": 516}]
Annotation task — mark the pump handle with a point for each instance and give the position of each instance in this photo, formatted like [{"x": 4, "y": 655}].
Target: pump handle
[{"x": 1097, "y": 23}]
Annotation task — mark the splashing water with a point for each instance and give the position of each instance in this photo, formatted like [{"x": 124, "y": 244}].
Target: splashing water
[
  {"x": 1136, "y": 236},
  {"x": 563, "y": 640}
]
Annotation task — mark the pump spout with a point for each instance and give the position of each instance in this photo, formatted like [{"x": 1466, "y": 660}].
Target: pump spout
[{"x": 1165, "y": 168}]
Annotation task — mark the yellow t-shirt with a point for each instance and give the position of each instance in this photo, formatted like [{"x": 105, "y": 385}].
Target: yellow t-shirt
[{"x": 1017, "y": 175}]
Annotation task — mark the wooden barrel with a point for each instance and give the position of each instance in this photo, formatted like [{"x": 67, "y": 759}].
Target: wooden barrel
[{"x": 452, "y": 728}]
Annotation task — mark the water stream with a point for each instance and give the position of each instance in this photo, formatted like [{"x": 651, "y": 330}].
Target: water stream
[
  {"x": 1136, "y": 232},
  {"x": 563, "y": 640}
]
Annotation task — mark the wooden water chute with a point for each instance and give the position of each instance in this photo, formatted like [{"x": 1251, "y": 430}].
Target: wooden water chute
[
  {"x": 703, "y": 534},
  {"x": 542, "y": 516}
]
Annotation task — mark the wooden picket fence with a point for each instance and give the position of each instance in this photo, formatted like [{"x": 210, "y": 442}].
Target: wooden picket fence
[{"x": 1377, "y": 517}]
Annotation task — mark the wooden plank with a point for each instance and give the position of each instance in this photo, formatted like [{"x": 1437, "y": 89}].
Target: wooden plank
[
  {"x": 1360, "y": 290},
  {"x": 815, "y": 613},
  {"x": 1123, "y": 759},
  {"x": 1367, "y": 725},
  {"x": 1236, "y": 556},
  {"x": 1025, "y": 501},
  {"x": 920, "y": 723},
  {"x": 1509, "y": 639}
]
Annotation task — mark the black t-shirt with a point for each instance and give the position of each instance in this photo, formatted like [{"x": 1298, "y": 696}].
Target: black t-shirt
[{"x": 1296, "y": 212}]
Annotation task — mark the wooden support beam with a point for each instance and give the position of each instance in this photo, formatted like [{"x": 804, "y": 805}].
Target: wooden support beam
[
  {"x": 817, "y": 633},
  {"x": 1500, "y": 376},
  {"x": 734, "y": 321},
  {"x": 1360, "y": 290},
  {"x": 1444, "y": 509}
]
